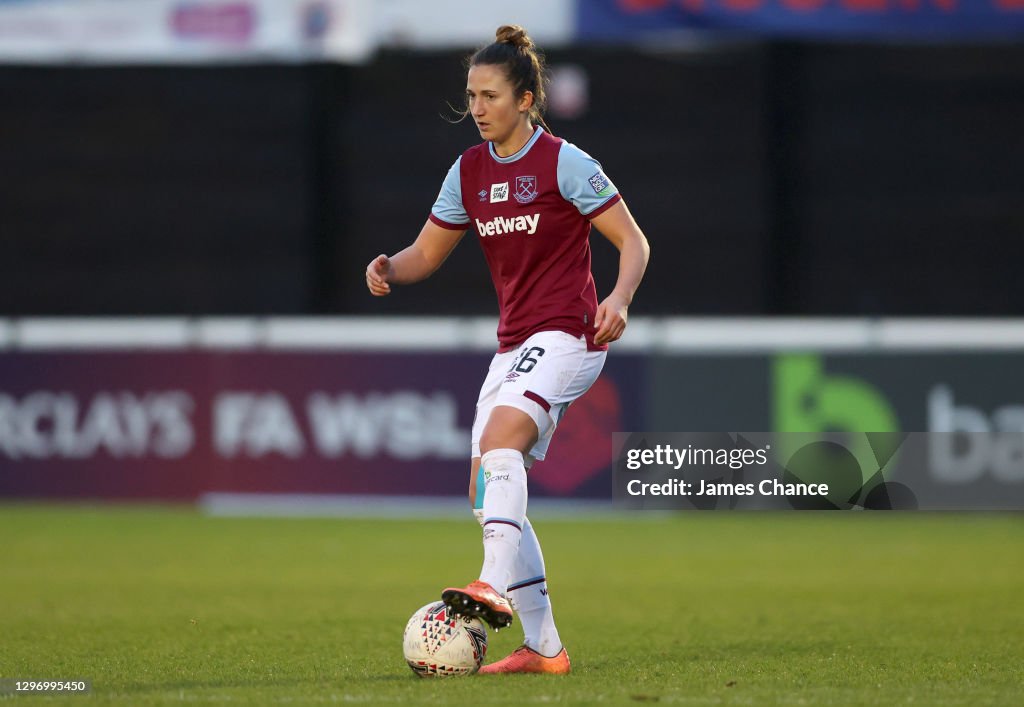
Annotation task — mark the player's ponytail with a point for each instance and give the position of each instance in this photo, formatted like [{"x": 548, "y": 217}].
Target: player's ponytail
[{"x": 524, "y": 67}]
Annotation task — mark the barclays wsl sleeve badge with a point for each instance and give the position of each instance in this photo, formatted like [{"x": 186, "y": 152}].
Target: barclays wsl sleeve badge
[
  {"x": 600, "y": 184},
  {"x": 526, "y": 189}
]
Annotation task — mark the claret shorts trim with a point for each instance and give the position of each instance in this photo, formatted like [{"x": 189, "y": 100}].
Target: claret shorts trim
[{"x": 542, "y": 378}]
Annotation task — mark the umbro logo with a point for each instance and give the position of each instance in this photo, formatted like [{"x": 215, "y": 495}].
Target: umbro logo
[{"x": 482, "y": 194}]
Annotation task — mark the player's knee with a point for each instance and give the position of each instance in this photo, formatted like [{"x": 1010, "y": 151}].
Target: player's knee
[
  {"x": 492, "y": 441},
  {"x": 491, "y": 438}
]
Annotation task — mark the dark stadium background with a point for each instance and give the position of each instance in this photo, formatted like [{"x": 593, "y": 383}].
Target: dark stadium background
[{"x": 772, "y": 178}]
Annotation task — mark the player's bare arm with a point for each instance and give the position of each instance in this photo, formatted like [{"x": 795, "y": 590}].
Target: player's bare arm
[
  {"x": 619, "y": 227},
  {"x": 417, "y": 262}
]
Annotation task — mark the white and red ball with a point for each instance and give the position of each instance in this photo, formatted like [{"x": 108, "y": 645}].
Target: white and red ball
[{"x": 438, "y": 644}]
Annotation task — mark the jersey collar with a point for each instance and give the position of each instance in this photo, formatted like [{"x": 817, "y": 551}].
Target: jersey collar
[{"x": 537, "y": 130}]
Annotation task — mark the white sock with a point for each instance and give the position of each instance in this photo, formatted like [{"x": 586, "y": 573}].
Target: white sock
[
  {"x": 528, "y": 592},
  {"x": 504, "y": 511}
]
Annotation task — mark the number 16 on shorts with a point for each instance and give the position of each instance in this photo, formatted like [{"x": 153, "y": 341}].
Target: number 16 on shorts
[{"x": 524, "y": 362}]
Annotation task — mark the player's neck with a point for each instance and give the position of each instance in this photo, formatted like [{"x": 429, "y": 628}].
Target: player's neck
[{"x": 516, "y": 141}]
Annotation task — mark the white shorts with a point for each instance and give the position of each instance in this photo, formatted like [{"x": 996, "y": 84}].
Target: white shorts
[{"x": 542, "y": 377}]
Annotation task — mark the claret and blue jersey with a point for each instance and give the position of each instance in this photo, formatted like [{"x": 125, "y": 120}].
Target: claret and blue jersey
[{"x": 532, "y": 214}]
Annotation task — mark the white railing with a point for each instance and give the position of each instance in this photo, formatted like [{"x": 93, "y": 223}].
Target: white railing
[{"x": 645, "y": 334}]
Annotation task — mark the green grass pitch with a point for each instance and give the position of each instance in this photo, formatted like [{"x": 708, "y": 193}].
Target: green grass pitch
[{"x": 166, "y": 606}]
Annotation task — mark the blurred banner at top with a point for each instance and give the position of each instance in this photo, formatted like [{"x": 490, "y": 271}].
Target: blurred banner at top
[
  {"x": 811, "y": 19},
  {"x": 180, "y": 31}
]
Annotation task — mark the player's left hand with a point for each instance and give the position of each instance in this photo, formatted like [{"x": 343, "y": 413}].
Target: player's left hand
[{"x": 610, "y": 320}]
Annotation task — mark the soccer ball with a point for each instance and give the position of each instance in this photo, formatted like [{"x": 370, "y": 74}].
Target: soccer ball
[{"x": 438, "y": 644}]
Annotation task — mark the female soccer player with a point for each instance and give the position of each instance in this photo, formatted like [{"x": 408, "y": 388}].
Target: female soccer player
[{"x": 532, "y": 198}]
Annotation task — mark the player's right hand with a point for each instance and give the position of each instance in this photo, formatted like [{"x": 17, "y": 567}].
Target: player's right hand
[{"x": 377, "y": 273}]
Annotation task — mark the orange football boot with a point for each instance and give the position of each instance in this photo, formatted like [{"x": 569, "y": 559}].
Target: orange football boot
[
  {"x": 479, "y": 600},
  {"x": 527, "y": 660}
]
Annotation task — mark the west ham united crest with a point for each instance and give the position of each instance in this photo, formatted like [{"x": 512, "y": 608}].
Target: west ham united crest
[{"x": 526, "y": 189}]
